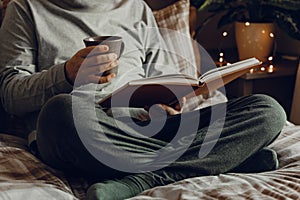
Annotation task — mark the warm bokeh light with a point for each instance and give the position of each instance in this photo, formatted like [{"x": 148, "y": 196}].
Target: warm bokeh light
[{"x": 271, "y": 69}]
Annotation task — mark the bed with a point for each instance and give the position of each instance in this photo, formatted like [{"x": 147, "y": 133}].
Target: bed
[{"x": 23, "y": 176}]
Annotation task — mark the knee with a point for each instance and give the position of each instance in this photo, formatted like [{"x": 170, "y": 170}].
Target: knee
[
  {"x": 54, "y": 127},
  {"x": 269, "y": 113},
  {"x": 272, "y": 109},
  {"x": 55, "y": 115}
]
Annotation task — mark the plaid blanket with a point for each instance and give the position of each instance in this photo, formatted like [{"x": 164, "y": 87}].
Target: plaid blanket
[{"x": 23, "y": 176}]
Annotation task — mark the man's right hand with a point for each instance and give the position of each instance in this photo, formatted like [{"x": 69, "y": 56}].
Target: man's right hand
[{"x": 86, "y": 65}]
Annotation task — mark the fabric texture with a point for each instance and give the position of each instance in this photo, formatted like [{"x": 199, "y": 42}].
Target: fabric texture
[
  {"x": 23, "y": 176},
  {"x": 279, "y": 184},
  {"x": 39, "y": 76},
  {"x": 173, "y": 22},
  {"x": 10, "y": 189},
  {"x": 283, "y": 183},
  {"x": 260, "y": 120},
  {"x": 174, "y": 16}
]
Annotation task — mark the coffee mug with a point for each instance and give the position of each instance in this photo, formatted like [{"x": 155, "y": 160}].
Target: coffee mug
[{"x": 115, "y": 44}]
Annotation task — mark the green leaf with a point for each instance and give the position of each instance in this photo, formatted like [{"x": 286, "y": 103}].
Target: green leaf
[
  {"x": 211, "y": 5},
  {"x": 290, "y": 23},
  {"x": 286, "y": 13},
  {"x": 231, "y": 16},
  {"x": 283, "y": 4}
]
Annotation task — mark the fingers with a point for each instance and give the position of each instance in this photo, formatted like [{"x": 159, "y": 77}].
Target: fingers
[
  {"x": 170, "y": 110},
  {"x": 105, "y": 79},
  {"x": 97, "y": 61},
  {"x": 95, "y": 74},
  {"x": 101, "y": 79},
  {"x": 88, "y": 64},
  {"x": 181, "y": 104},
  {"x": 161, "y": 109},
  {"x": 177, "y": 109},
  {"x": 92, "y": 51},
  {"x": 100, "y": 59},
  {"x": 156, "y": 110},
  {"x": 97, "y": 69}
]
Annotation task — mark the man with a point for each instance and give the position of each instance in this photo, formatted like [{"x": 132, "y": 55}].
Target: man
[{"x": 52, "y": 81}]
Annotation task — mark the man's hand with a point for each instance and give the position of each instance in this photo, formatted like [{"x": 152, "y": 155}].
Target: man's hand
[
  {"x": 160, "y": 109},
  {"x": 87, "y": 65}
]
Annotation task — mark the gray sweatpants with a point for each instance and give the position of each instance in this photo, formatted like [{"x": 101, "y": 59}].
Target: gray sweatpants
[{"x": 202, "y": 142}]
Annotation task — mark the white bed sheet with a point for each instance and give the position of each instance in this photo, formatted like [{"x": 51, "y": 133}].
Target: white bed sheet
[{"x": 283, "y": 183}]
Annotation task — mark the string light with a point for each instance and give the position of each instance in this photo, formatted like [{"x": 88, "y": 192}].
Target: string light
[
  {"x": 247, "y": 23},
  {"x": 225, "y": 34},
  {"x": 271, "y": 35},
  {"x": 251, "y": 71},
  {"x": 271, "y": 69},
  {"x": 270, "y": 58},
  {"x": 221, "y": 58},
  {"x": 263, "y": 69}
]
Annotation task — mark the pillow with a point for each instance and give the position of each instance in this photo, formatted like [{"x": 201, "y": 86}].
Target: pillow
[
  {"x": 176, "y": 17},
  {"x": 174, "y": 21}
]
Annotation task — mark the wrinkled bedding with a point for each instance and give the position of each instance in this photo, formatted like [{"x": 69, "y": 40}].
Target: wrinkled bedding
[
  {"x": 283, "y": 183},
  {"x": 23, "y": 176}
]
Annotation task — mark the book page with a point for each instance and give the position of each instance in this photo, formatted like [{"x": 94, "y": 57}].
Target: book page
[
  {"x": 166, "y": 79},
  {"x": 167, "y": 89},
  {"x": 222, "y": 71}
]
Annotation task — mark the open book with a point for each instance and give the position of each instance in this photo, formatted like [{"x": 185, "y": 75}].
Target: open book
[{"x": 168, "y": 89}]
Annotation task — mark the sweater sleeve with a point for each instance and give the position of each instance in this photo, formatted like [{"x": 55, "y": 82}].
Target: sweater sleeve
[
  {"x": 159, "y": 58},
  {"x": 23, "y": 88}
]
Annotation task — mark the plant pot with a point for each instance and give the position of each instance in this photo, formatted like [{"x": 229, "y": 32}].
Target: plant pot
[{"x": 254, "y": 40}]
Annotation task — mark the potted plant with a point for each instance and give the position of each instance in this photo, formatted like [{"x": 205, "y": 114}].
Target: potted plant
[{"x": 254, "y": 15}]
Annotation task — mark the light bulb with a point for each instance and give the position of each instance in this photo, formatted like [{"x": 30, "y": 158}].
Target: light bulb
[{"x": 271, "y": 69}]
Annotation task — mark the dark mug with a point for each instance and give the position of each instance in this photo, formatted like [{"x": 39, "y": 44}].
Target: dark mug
[{"x": 115, "y": 44}]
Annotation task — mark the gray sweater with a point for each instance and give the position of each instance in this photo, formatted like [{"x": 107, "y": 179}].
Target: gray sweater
[{"x": 37, "y": 37}]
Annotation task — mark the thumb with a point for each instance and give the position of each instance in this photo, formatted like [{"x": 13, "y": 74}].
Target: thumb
[{"x": 156, "y": 110}]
